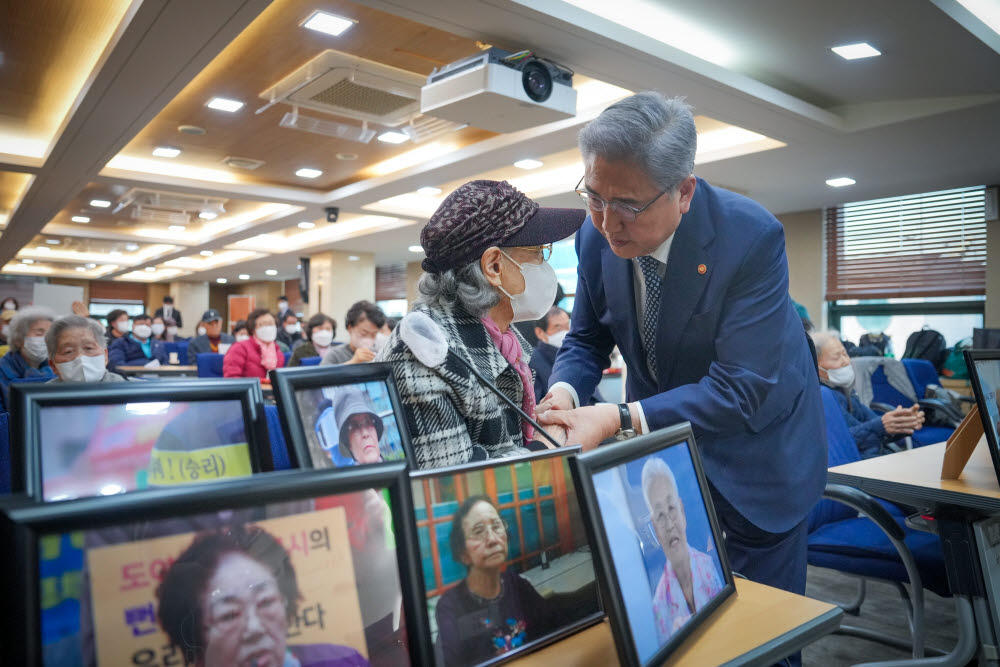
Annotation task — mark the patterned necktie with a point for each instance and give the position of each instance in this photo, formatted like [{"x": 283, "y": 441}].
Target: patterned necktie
[{"x": 651, "y": 309}]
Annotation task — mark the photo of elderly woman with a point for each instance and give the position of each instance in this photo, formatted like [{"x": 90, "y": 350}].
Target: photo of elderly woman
[
  {"x": 513, "y": 566},
  {"x": 349, "y": 425},
  {"x": 657, "y": 525}
]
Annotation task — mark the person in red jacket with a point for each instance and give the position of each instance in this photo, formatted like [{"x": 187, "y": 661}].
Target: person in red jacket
[{"x": 254, "y": 357}]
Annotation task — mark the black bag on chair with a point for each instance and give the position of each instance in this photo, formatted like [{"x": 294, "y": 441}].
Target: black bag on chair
[{"x": 927, "y": 344}]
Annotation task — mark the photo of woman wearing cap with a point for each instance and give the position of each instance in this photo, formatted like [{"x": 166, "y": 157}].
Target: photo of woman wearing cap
[{"x": 486, "y": 267}]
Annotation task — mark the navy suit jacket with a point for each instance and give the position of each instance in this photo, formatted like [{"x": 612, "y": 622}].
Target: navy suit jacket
[
  {"x": 127, "y": 351},
  {"x": 732, "y": 357}
]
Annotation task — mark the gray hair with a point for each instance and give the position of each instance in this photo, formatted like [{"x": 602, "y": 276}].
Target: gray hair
[
  {"x": 654, "y": 132},
  {"x": 656, "y": 468},
  {"x": 465, "y": 286},
  {"x": 67, "y": 322},
  {"x": 821, "y": 338},
  {"x": 24, "y": 320}
]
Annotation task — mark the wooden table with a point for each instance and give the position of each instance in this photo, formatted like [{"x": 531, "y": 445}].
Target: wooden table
[
  {"x": 758, "y": 626},
  {"x": 162, "y": 371}
]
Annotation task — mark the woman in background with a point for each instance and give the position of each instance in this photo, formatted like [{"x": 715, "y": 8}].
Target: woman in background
[
  {"x": 255, "y": 356},
  {"x": 320, "y": 330}
]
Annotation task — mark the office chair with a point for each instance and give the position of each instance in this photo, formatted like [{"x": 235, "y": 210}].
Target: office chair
[{"x": 209, "y": 365}]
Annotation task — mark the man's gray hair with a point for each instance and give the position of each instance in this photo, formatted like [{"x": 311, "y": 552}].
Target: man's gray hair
[
  {"x": 24, "y": 320},
  {"x": 652, "y": 131},
  {"x": 821, "y": 338},
  {"x": 656, "y": 468},
  {"x": 68, "y": 322},
  {"x": 465, "y": 286}
]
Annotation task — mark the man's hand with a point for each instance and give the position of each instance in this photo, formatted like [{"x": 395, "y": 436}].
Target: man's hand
[
  {"x": 903, "y": 421},
  {"x": 80, "y": 309},
  {"x": 556, "y": 399},
  {"x": 362, "y": 355},
  {"x": 586, "y": 426}
]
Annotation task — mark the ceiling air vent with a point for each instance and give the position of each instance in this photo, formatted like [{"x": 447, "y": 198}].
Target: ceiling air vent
[
  {"x": 241, "y": 162},
  {"x": 344, "y": 85}
]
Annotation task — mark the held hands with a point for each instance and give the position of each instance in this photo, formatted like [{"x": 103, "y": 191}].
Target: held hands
[
  {"x": 586, "y": 426},
  {"x": 556, "y": 399},
  {"x": 903, "y": 421},
  {"x": 362, "y": 355}
]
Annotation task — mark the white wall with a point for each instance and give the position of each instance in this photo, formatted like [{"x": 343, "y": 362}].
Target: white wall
[{"x": 192, "y": 300}]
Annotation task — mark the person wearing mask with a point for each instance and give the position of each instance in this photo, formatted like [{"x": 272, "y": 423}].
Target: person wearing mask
[
  {"x": 117, "y": 326},
  {"x": 5, "y": 318},
  {"x": 690, "y": 281},
  {"x": 138, "y": 348},
  {"x": 10, "y": 303},
  {"x": 27, "y": 356},
  {"x": 159, "y": 328},
  {"x": 168, "y": 310},
  {"x": 290, "y": 332},
  {"x": 320, "y": 329},
  {"x": 282, "y": 307},
  {"x": 254, "y": 357},
  {"x": 871, "y": 432},
  {"x": 363, "y": 321},
  {"x": 170, "y": 334},
  {"x": 210, "y": 338},
  {"x": 550, "y": 331},
  {"x": 486, "y": 248},
  {"x": 77, "y": 348},
  {"x": 240, "y": 331}
]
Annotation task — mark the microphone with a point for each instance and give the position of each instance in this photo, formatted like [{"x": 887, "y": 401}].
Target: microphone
[{"x": 427, "y": 340}]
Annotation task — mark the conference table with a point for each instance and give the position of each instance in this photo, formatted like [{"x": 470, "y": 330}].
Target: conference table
[
  {"x": 161, "y": 371},
  {"x": 758, "y": 626}
]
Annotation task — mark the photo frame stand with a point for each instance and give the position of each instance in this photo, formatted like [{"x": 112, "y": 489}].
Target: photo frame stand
[{"x": 961, "y": 444}]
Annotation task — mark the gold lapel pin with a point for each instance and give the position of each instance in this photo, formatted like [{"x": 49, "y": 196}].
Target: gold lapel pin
[{"x": 702, "y": 269}]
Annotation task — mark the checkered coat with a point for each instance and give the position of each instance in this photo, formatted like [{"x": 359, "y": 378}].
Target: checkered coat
[{"x": 448, "y": 411}]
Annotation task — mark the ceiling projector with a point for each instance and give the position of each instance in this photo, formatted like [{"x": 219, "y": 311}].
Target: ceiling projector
[{"x": 500, "y": 91}]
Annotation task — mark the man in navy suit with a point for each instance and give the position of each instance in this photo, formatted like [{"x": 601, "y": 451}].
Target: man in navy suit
[{"x": 691, "y": 283}]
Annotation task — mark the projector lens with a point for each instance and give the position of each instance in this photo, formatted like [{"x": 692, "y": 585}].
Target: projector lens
[{"x": 537, "y": 81}]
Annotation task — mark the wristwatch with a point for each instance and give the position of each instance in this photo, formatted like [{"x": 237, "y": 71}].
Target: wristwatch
[{"x": 626, "y": 431}]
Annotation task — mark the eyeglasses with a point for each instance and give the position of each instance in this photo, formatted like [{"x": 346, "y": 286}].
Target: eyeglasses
[
  {"x": 365, "y": 421},
  {"x": 479, "y": 531},
  {"x": 625, "y": 212},
  {"x": 545, "y": 250}
]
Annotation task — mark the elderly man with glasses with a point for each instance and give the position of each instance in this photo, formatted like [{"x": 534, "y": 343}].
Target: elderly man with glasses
[{"x": 690, "y": 282}]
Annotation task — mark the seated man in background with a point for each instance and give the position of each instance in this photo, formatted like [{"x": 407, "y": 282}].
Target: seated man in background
[
  {"x": 871, "y": 432},
  {"x": 78, "y": 350},
  {"x": 289, "y": 330},
  {"x": 550, "y": 331},
  {"x": 138, "y": 348},
  {"x": 27, "y": 357},
  {"x": 210, "y": 337},
  {"x": 363, "y": 321}
]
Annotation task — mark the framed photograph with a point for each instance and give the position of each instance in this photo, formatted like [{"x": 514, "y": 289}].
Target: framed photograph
[
  {"x": 340, "y": 416},
  {"x": 75, "y": 440},
  {"x": 984, "y": 371},
  {"x": 657, "y": 542},
  {"x": 505, "y": 560},
  {"x": 311, "y": 568}
]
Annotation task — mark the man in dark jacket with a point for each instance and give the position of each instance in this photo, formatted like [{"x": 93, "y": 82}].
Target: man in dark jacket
[
  {"x": 212, "y": 340},
  {"x": 137, "y": 348},
  {"x": 168, "y": 310}
]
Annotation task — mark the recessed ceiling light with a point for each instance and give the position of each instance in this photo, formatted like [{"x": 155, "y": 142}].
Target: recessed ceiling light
[
  {"x": 100, "y": 203},
  {"x": 191, "y": 129},
  {"x": 353, "y": 258},
  {"x": 222, "y": 104},
  {"x": 429, "y": 191},
  {"x": 855, "y": 51},
  {"x": 90, "y": 265},
  {"x": 166, "y": 151},
  {"x": 131, "y": 247},
  {"x": 222, "y": 281},
  {"x": 115, "y": 253},
  {"x": 307, "y": 172},
  {"x": 27, "y": 261},
  {"x": 528, "y": 164},
  {"x": 80, "y": 268},
  {"x": 244, "y": 276},
  {"x": 347, "y": 156},
  {"x": 80, "y": 218},
  {"x": 208, "y": 215},
  {"x": 298, "y": 266},
  {"x": 416, "y": 248},
  {"x": 206, "y": 253},
  {"x": 327, "y": 23},
  {"x": 53, "y": 241},
  {"x": 393, "y": 137},
  {"x": 150, "y": 269},
  {"x": 271, "y": 272},
  {"x": 44, "y": 248},
  {"x": 306, "y": 224},
  {"x": 176, "y": 228},
  {"x": 840, "y": 182}
]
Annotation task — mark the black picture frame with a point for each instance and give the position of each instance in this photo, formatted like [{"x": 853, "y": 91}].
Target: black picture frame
[
  {"x": 29, "y": 399},
  {"x": 983, "y": 402},
  {"x": 286, "y": 382},
  {"x": 418, "y": 476},
  {"x": 23, "y": 523},
  {"x": 584, "y": 467}
]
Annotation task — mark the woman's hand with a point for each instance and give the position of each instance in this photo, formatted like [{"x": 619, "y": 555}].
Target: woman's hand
[
  {"x": 556, "y": 399},
  {"x": 903, "y": 421}
]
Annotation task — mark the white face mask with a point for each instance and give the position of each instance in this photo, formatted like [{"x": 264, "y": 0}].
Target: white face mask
[
  {"x": 34, "y": 348},
  {"x": 381, "y": 340},
  {"x": 358, "y": 343},
  {"x": 202, "y": 331},
  {"x": 82, "y": 369},
  {"x": 122, "y": 327},
  {"x": 6, "y": 330},
  {"x": 841, "y": 377},
  {"x": 242, "y": 337},
  {"x": 142, "y": 331},
  {"x": 540, "y": 286},
  {"x": 323, "y": 338},
  {"x": 9, "y": 306},
  {"x": 158, "y": 328},
  {"x": 291, "y": 328},
  {"x": 557, "y": 338},
  {"x": 266, "y": 333},
  {"x": 172, "y": 331},
  {"x": 282, "y": 305}
]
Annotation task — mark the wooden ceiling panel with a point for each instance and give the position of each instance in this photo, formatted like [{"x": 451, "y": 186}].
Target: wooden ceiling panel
[
  {"x": 12, "y": 184},
  {"x": 271, "y": 48}
]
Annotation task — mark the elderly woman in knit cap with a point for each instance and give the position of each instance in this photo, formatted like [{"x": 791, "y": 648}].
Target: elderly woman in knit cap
[
  {"x": 486, "y": 267},
  {"x": 358, "y": 425}
]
